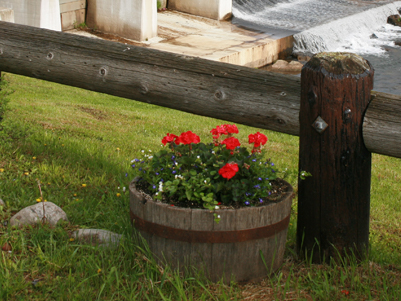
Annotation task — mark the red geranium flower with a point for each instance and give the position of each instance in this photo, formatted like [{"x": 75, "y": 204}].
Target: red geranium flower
[
  {"x": 187, "y": 138},
  {"x": 229, "y": 170},
  {"x": 169, "y": 138},
  {"x": 231, "y": 143},
  {"x": 219, "y": 130},
  {"x": 231, "y": 128},
  {"x": 258, "y": 139}
]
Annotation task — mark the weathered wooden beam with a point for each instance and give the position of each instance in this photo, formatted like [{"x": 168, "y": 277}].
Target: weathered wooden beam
[
  {"x": 382, "y": 124},
  {"x": 219, "y": 90}
]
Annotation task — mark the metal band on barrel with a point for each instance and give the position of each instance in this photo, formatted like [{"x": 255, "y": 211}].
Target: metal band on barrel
[{"x": 194, "y": 236}]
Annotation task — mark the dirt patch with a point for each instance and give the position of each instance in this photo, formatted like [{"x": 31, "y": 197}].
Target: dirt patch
[
  {"x": 111, "y": 37},
  {"x": 98, "y": 114}
]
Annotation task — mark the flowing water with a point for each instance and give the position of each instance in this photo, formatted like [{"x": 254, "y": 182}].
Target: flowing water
[{"x": 333, "y": 25}]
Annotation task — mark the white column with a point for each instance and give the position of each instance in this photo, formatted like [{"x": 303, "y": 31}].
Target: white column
[
  {"x": 50, "y": 14},
  {"x": 132, "y": 19}
]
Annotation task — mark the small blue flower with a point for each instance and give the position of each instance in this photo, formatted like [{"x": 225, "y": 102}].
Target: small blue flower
[
  {"x": 143, "y": 162},
  {"x": 260, "y": 200},
  {"x": 260, "y": 179},
  {"x": 144, "y": 171},
  {"x": 248, "y": 194},
  {"x": 137, "y": 160},
  {"x": 133, "y": 165},
  {"x": 253, "y": 160},
  {"x": 157, "y": 174},
  {"x": 174, "y": 172},
  {"x": 257, "y": 186},
  {"x": 154, "y": 186},
  {"x": 161, "y": 168},
  {"x": 272, "y": 164},
  {"x": 267, "y": 179},
  {"x": 140, "y": 169},
  {"x": 273, "y": 170},
  {"x": 126, "y": 175},
  {"x": 172, "y": 157},
  {"x": 247, "y": 203},
  {"x": 161, "y": 180},
  {"x": 270, "y": 193}
]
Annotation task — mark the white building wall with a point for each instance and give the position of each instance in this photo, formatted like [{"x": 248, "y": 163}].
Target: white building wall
[
  {"x": 38, "y": 13},
  {"x": 213, "y": 9},
  {"x": 133, "y": 19},
  {"x": 6, "y": 14}
]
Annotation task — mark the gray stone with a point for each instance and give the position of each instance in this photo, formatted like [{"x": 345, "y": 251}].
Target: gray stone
[
  {"x": 34, "y": 214},
  {"x": 103, "y": 238}
]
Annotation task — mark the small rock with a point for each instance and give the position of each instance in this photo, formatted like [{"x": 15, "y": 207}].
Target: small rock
[
  {"x": 2, "y": 203},
  {"x": 34, "y": 214},
  {"x": 285, "y": 66},
  {"x": 394, "y": 20},
  {"x": 280, "y": 64},
  {"x": 373, "y": 36},
  {"x": 99, "y": 237}
]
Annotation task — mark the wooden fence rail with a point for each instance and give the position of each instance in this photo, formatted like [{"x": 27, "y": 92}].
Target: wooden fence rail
[{"x": 224, "y": 91}]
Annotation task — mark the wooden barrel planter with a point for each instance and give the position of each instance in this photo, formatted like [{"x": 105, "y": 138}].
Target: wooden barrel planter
[{"x": 247, "y": 243}]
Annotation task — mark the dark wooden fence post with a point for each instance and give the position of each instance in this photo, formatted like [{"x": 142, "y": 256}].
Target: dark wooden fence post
[{"x": 334, "y": 203}]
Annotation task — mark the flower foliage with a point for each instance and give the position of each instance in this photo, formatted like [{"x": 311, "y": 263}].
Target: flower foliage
[{"x": 187, "y": 172}]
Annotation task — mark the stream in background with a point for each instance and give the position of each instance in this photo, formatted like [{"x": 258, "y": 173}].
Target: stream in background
[{"x": 333, "y": 25}]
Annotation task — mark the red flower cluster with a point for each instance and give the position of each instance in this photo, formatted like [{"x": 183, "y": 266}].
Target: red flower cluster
[
  {"x": 169, "y": 138},
  {"x": 229, "y": 170},
  {"x": 224, "y": 129},
  {"x": 184, "y": 138},
  {"x": 231, "y": 143},
  {"x": 188, "y": 138},
  {"x": 258, "y": 139}
]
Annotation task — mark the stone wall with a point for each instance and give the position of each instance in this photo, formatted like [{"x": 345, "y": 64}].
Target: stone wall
[
  {"x": 72, "y": 13},
  {"x": 38, "y": 13},
  {"x": 132, "y": 19}
]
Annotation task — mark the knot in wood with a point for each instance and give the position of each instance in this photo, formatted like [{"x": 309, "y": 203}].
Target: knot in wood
[
  {"x": 103, "y": 71},
  {"x": 339, "y": 63},
  {"x": 219, "y": 95},
  {"x": 144, "y": 89},
  {"x": 50, "y": 56}
]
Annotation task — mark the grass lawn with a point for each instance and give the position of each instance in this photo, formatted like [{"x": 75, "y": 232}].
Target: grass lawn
[{"x": 66, "y": 137}]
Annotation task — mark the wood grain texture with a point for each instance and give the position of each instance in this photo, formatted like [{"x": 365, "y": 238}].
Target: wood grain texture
[
  {"x": 229, "y": 92},
  {"x": 217, "y": 260},
  {"x": 334, "y": 204},
  {"x": 382, "y": 124}
]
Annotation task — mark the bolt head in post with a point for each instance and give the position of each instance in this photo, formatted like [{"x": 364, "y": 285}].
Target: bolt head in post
[{"x": 320, "y": 125}]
